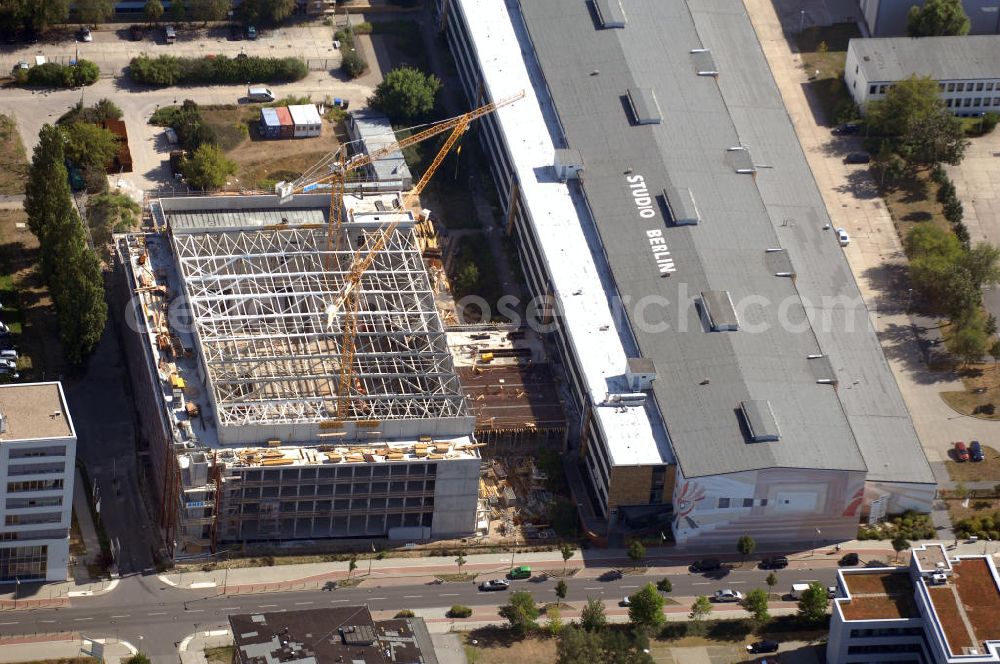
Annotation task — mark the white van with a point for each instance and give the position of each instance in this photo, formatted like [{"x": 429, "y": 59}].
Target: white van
[
  {"x": 798, "y": 589},
  {"x": 170, "y": 34},
  {"x": 259, "y": 94}
]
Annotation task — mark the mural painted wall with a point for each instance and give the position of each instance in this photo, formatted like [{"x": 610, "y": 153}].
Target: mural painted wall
[{"x": 774, "y": 505}]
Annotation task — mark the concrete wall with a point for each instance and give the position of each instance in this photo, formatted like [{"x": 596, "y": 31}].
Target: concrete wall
[
  {"x": 776, "y": 505},
  {"x": 456, "y": 494}
]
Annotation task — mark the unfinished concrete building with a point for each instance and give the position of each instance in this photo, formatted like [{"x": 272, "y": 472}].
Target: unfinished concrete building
[{"x": 236, "y": 342}]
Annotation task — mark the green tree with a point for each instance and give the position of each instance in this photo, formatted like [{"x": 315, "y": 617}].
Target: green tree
[
  {"x": 90, "y": 145},
  {"x": 933, "y": 255},
  {"x": 209, "y": 10},
  {"x": 646, "y": 607},
  {"x": 521, "y": 612},
  {"x": 890, "y": 166},
  {"x": 153, "y": 11},
  {"x": 963, "y": 298},
  {"x": 43, "y": 203},
  {"x": 278, "y": 10},
  {"x": 664, "y": 585},
  {"x": 561, "y": 590},
  {"x": 93, "y": 12},
  {"x": 771, "y": 581},
  {"x": 555, "y": 623},
  {"x": 406, "y": 94},
  {"x": 138, "y": 658},
  {"x": 937, "y": 18},
  {"x": 177, "y": 12},
  {"x": 352, "y": 63},
  {"x": 592, "y": 617},
  {"x": 995, "y": 351},
  {"x": 567, "y": 551},
  {"x": 578, "y": 646},
  {"x": 900, "y": 544},
  {"x": 352, "y": 565},
  {"x": 953, "y": 210},
  {"x": 746, "y": 546},
  {"x": 755, "y": 603},
  {"x": 460, "y": 561},
  {"x": 636, "y": 552},
  {"x": 983, "y": 263},
  {"x": 969, "y": 343},
  {"x": 700, "y": 609},
  {"x": 467, "y": 277},
  {"x": 908, "y": 99},
  {"x": 208, "y": 168},
  {"x": 36, "y": 15},
  {"x": 812, "y": 605},
  {"x": 933, "y": 138},
  {"x": 618, "y": 647}
]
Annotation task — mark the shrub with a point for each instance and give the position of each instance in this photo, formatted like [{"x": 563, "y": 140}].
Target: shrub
[
  {"x": 664, "y": 585},
  {"x": 405, "y": 613},
  {"x": 953, "y": 210},
  {"x": 990, "y": 121},
  {"x": 353, "y": 64},
  {"x": 167, "y": 70},
  {"x": 363, "y": 28},
  {"x": 946, "y": 191},
  {"x": 459, "y": 611},
  {"x": 52, "y": 75},
  {"x": 938, "y": 174}
]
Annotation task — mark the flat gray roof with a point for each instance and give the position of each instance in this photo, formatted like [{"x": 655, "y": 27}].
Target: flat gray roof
[
  {"x": 704, "y": 377},
  {"x": 941, "y": 58},
  {"x": 34, "y": 411}
]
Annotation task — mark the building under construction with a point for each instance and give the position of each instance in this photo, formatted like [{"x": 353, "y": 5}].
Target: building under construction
[{"x": 258, "y": 428}]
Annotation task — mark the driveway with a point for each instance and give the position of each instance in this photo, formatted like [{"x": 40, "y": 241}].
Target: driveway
[{"x": 875, "y": 253}]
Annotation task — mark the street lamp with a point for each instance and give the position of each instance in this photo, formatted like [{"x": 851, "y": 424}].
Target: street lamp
[
  {"x": 802, "y": 20},
  {"x": 815, "y": 539}
]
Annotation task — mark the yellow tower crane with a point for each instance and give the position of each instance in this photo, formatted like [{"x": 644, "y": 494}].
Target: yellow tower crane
[{"x": 334, "y": 170}]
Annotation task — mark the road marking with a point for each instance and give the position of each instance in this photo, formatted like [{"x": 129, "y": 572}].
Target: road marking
[
  {"x": 196, "y": 611},
  {"x": 158, "y": 613},
  {"x": 449, "y": 594},
  {"x": 733, "y": 583},
  {"x": 593, "y": 588},
  {"x": 122, "y": 616},
  {"x": 630, "y": 586},
  {"x": 47, "y": 621},
  {"x": 302, "y": 603},
  {"x": 265, "y": 606},
  {"x": 412, "y": 596},
  {"x": 81, "y": 619},
  {"x": 230, "y": 608},
  {"x": 375, "y": 598},
  {"x": 701, "y": 583},
  {"x": 335, "y": 601},
  {"x": 10, "y": 623}
]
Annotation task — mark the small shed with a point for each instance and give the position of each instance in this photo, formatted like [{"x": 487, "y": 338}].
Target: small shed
[
  {"x": 306, "y": 119},
  {"x": 270, "y": 125},
  {"x": 287, "y": 126}
]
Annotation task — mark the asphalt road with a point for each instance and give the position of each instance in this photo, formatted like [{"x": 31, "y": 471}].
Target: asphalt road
[{"x": 155, "y": 617}]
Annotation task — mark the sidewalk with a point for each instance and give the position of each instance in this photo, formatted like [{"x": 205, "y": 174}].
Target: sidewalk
[
  {"x": 49, "y": 647},
  {"x": 659, "y": 561}
]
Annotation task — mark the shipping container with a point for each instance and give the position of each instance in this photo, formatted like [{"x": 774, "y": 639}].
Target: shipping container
[
  {"x": 306, "y": 119},
  {"x": 287, "y": 126},
  {"x": 270, "y": 125}
]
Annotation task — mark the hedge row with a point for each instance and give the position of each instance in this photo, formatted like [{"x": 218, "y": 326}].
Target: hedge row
[
  {"x": 52, "y": 75},
  {"x": 167, "y": 70}
]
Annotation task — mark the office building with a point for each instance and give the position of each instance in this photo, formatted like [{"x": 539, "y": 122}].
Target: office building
[{"x": 888, "y": 18}]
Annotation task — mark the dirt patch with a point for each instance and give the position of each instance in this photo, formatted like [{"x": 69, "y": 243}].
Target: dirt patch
[
  {"x": 913, "y": 201},
  {"x": 13, "y": 158},
  {"x": 220, "y": 655},
  {"x": 824, "y": 50},
  {"x": 28, "y": 310},
  {"x": 976, "y": 507},
  {"x": 494, "y": 646},
  {"x": 987, "y": 470}
]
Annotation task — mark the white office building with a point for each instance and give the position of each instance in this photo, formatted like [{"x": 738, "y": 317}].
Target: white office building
[
  {"x": 967, "y": 69},
  {"x": 37, "y": 457}
]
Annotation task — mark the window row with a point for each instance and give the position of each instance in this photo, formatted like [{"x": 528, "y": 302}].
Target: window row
[
  {"x": 972, "y": 101},
  {"x": 978, "y": 86},
  {"x": 23, "y": 562},
  {"x": 323, "y": 506},
  {"x": 344, "y": 471},
  {"x": 36, "y": 469},
  {"x": 34, "y": 485},
  {"x": 32, "y": 519},
  {"x": 359, "y": 489},
  {"x": 21, "y": 503},
  {"x": 31, "y": 452}
]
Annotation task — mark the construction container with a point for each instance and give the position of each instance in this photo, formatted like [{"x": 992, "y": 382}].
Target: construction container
[
  {"x": 270, "y": 125},
  {"x": 306, "y": 119},
  {"x": 287, "y": 126}
]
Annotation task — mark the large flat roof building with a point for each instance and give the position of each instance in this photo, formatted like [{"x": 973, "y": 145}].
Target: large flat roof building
[
  {"x": 719, "y": 356},
  {"x": 967, "y": 69},
  {"x": 238, "y": 344},
  {"x": 37, "y": 469}
]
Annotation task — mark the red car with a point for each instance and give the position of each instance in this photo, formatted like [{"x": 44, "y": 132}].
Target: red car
[{"x": 961, "y": 453}]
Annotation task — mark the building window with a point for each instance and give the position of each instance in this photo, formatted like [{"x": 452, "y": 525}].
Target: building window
[
  {"x": 947, "y": 102},
  {"x": 22, "y": 563},
  {"x": 748, "y": 502},
  {"x": 723, "y": 503},
  {"x": 34, "y": 485},
  {"x": 940, "y": 87},
  {"x": 960, "y": 87},
  {"x": 978, "y": 101},
  {"x": 872, "y": 89},
  {"x": 967, "y": 102},
  {"x": 881, "y": 89},
  {"x": 979, "y": 86},
  {"x": 996, "y": 101},
  {"x": 989, "y": 86},
  {"x": 763, "y": 502},
  {"x": 951, "y": 87}
]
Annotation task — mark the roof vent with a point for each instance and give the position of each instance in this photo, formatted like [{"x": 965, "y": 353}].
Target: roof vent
[
  {"x": 822, "y": 369},
  {"x": 640, "y": 374},
  {"x": 568, "y": 164},
  {"x": 720, "y": 311},
  {"x": 680, "y": 203},
  {"x": 739, "y": 158},
  {"x": 760, "y": 420},
  {"x": 779, "y": 263},
  {"x": 3, "y": 423},
  {"x": 645, "y": 108},
  {"x": 610, "y": 13},
  {"x": 704, "y": 63}
]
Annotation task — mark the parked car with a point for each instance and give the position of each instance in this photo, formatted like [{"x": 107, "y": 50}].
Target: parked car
[
  {"x": 494, "y": 584},
  {"x": 846, "y": 129},
  {"x": 626, "y": 601},
  {"x": 251, "y": 32},
  {"x": 19, "y": 66},
  {"x": 961, "y": 453},
  {"x": 767, "y": 645},
  {"x": 706, "y": 565},
  {"x": 728, "y": 595},
  {"x": 170, "y": 34},
  {"x": 85, "y": 35},
  {"x": 520, "y": 572},
  {"x": 260, "y": 94},
  {"x": 136, "y": 32},
  {"x": 857, "y": 158},
  {"x": 831, "y": 592},
  {"x": 774, "y": 562},
  {"x": 849, "y": 559},
  {"x": 976, "y": 451},
  {"x": 9, "y": 354},
  {"x": 235, "y": 32},
  {"x": 843, "y": 238}
]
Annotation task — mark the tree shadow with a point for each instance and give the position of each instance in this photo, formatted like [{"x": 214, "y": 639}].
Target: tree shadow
[{"x": 860, "y": 184}]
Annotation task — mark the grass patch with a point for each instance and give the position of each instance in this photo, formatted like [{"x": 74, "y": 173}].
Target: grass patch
[
  {"x": 456, "y": 578},
  {"x": 980, "y": 398},
  {"x": 824, "y": 50},
  {"x": 987, "y": 470},
  {"x": 231, "y": 124},
  {"x": 13, "y": 158},
  {"x": 220, "y": 655},
  {"x": 977, "y": 507},
  {"x": 912, "y": 201}
]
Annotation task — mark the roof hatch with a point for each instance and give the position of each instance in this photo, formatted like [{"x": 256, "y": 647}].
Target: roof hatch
[
  {"x": 760, "y": 420},
  {"x": 610, "y": 13},
  {"x": 680, "y": 203},
  {"x": 645, "y": 108},
  {"x": 720, "y": 311},
  {"x": 704, "y": 63}
]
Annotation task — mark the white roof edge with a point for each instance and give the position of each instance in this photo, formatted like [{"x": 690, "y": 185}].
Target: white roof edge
[{"x": 588, "y": 324}]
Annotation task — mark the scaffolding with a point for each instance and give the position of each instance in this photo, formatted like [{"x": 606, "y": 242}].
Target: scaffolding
[{"x": 260, "y": 299}]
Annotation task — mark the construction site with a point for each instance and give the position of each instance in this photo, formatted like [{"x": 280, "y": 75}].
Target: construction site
[{"x": 295, "y": 380}]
